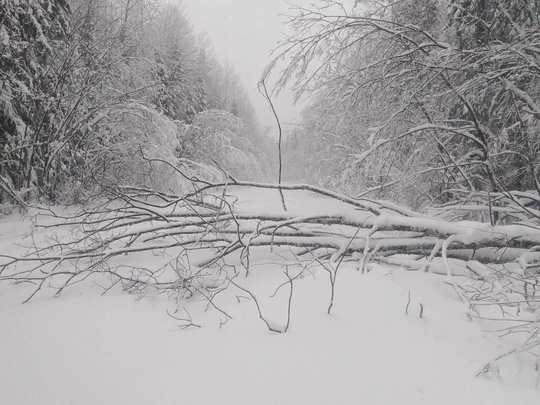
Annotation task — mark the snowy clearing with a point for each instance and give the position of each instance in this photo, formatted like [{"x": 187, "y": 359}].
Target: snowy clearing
[{"x": 86, "y": 348}]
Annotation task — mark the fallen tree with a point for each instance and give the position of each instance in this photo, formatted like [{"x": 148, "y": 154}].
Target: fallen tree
[{"x": 204, "y": 241}]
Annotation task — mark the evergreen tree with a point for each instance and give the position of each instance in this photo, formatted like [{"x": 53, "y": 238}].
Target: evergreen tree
[{"x": 29, "y": 32}]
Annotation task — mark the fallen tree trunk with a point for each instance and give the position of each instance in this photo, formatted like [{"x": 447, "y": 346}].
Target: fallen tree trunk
[
  {"x": 199, "y": 241},
  {"x": 136, "y": 219}
]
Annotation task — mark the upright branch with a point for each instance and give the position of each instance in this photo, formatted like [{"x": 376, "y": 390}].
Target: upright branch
[{"x": 264, "y": 92}]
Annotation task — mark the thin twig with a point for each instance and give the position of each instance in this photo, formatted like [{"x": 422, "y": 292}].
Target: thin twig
[{"x": 264, "y": 92}]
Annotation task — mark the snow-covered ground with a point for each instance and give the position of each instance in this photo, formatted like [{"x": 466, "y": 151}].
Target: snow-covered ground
[{"x": 85, "y": 348}]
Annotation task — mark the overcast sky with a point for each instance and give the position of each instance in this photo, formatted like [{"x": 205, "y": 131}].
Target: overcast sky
[{"x": 244, "y": 32}]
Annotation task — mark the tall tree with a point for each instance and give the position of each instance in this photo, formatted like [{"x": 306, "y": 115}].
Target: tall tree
[
  {"x": 422, "y": 109},
  {"x": 181, "y": 93},
  {"x": 29, "y": 33}
]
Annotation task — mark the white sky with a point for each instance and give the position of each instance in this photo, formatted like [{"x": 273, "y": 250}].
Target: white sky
[{"x": 244, "y": 32}]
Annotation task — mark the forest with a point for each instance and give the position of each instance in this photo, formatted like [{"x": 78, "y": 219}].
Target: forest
[
  {"x": 431, "y": 104},
  {"x": 89, "y": 87},
  {"x": 418, "y": 149}
]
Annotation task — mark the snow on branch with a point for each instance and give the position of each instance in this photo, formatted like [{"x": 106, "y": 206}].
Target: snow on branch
[
  {"x": 200, "y": 241},
  {"x": 207, "y": 221}
]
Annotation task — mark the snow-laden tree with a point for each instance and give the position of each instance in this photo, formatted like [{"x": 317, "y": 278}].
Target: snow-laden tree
[
  {"x": 363, "y": 96},
  {"x": 219, "y": 140},
  {"x": 71, "y": 84},
  {"x": 101, "y": 69},
  {"x": 75, "y": 79},
  {"x": 29, "y": 33},
  {"x": 415, "y": 112},
  {"x": 137, "y": 149},
  {"x": 181, "y": 92}
]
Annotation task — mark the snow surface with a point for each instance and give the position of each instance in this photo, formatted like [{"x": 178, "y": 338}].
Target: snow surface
[{"x": 84, "y": 348}]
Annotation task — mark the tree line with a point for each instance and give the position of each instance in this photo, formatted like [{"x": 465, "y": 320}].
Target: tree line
[
  {"x": 429, "y": 103},
  {"x": 90, "y": 90}
]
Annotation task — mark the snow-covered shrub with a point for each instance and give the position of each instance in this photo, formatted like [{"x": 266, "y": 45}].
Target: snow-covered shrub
[
  {"x": 134, "y": 146},
  {"x": 217, "y": 139},
  {"x": 6, "y": 209}
]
